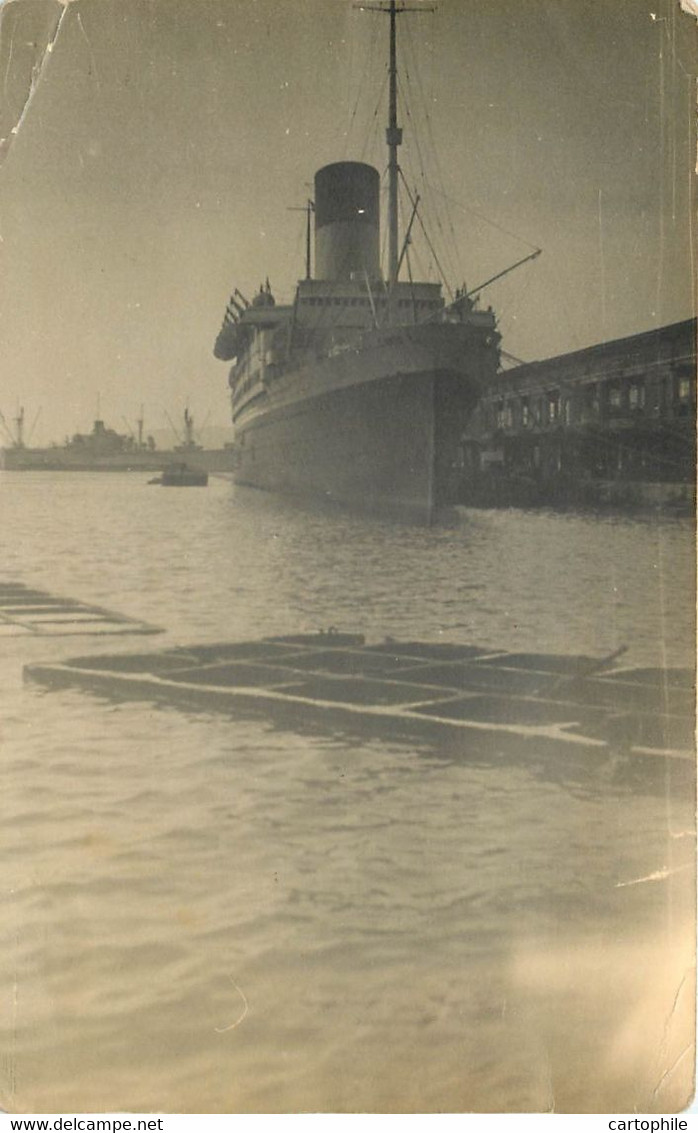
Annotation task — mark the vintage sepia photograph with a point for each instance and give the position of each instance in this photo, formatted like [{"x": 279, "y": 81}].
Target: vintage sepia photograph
[{"x": 348, "y": 548}]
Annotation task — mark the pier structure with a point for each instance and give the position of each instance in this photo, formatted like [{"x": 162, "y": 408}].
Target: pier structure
[{"x": 614, "y": 423}]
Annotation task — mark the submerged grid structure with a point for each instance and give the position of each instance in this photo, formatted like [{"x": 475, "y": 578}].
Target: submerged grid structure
[
  {"x": 28, "y": 611},
  {"x": 488, "y": 701}
]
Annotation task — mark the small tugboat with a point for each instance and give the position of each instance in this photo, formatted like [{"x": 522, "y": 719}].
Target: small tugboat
[{"x": 181, "y": 475}]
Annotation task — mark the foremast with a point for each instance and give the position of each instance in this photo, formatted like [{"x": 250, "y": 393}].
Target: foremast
[{"x": 393, "y": 137}]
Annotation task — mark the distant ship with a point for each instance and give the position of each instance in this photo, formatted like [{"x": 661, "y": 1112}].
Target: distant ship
[
  {"x": 360, "y": 390},
  {"x": 105, "y": 450}
]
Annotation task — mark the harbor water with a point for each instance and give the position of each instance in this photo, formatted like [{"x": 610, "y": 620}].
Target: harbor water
[{"x": 214, "y": 914}]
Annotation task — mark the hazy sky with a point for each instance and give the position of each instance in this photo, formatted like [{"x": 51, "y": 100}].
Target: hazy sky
[{"x": 166, "y": 140}]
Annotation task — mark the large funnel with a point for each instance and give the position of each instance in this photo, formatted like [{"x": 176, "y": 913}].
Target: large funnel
[{"x": 347, "y": 221}]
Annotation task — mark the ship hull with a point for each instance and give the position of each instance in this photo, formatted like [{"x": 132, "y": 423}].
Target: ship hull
[
  {"x": 378, "y": 432},
  {"x": 366, "y": 447},
  {"x": 58, "y": 459}
]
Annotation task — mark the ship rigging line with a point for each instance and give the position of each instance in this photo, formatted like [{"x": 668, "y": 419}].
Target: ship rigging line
[
  {"x": 449, "y": 245},
  {"x": 395, "y": 137},
  {"x": 371, "y": 135},
  {"x": 512, "y": 357},
  {"x": 368, "y": 63},
  {"x": 426, "y": 234},
  {"x": 6, "y": 429},
  {"x": 480, "y": 215},
  {"x": 440, "y": 189},
  {"x": 37, "y": 415},
  {"x": 518, "y": 264},
  {"x": 418, "y": 97},
  {"x": 411, "y": 250},
  {"x": 408, "y": 231}
]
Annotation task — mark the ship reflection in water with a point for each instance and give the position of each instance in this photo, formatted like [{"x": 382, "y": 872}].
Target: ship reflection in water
[{"x": 214, "y": 913}]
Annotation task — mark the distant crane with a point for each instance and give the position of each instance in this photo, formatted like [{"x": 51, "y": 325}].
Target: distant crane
[
  {"x": 16, "y": 438},
  {"x": 136, "y": 436},
  {"x": 187, "y": 440}
]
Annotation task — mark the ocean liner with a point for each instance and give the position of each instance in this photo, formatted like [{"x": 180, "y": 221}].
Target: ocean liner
[{"x": 360, "y": 390}]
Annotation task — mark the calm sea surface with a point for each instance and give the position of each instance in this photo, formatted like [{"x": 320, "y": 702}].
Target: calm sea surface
[{"x": 203, "y": 914}]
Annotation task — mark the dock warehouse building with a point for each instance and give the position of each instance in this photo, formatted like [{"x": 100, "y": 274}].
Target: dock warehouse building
[{"x": 614, "y": 423}]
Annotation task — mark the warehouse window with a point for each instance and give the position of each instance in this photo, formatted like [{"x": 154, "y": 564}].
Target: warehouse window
[
  {"x": 684, "y": 390},
  {"x": 636, "y": 396}
]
